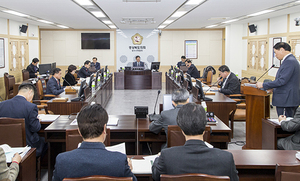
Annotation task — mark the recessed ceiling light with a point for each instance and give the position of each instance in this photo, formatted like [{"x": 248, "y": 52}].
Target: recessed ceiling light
[
  {"x": 178, "y": 14},
  {"x": 194, "y": 2},
  {"x": 112, "y": 26},
  {"x": 62, "y": 26},
  {"x": 15, "y": 13},
  {"x": 161, "y": 26},
  {"x": 44, "y": 21},
  {"x": 168, "y": 21},
  {"x": 84, "y": 2},
  {"x": 229, "y": 21},
  {"x": 107, "y": 22},
  {"x": 261, "y": 12},
  {"x": 211, "y": 26},
  {"x": 98, "y": 14}
]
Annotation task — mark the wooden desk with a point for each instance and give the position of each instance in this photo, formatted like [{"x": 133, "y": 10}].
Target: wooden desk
[
  {"x": 27, "y": 166},
  {"x": 221, "y": 105},
  {"x": 134, "y": 132},
  {"x": 271, "y": 132},
  {"x": 258, "y": 165},
  {"x": 137, "y": 79},
  {"x": 101, "y": 96}
]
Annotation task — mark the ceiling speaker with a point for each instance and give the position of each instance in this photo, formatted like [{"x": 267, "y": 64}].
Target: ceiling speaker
[
  {"x": 23, "y": 28},
  {"x": 252, "y": 28}
]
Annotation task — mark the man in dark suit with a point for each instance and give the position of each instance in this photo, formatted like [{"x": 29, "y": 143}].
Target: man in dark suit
[
  {"x": 91, "y": 158},
  {"x": 95, "y": 63},
  {"x": 194, "y": 156},
  {"x": 230, "y": 83},
  {"x": 180, "y": 97},
  {"x": 84, "y": 71},
  {"x": 138, "y": 62},
  {"x": 192, "y": 70},
  {"x": 20, "y": 107},
  {"x": 182, "y": 62},
  {"x": 292, "y": 142},
  {"x": 32, "y": 68},
  {"x": 286, "y": 93},
  {"x": 53, "y": 84}
]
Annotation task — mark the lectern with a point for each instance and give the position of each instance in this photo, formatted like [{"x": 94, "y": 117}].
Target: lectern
[{"x": 257, "y": 108}]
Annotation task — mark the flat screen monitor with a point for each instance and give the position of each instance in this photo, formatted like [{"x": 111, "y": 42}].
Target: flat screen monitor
[
  {"x": 189, "y": 80},
  {"x": 53, "y": 66},
  {"x": 105, "y": 69},
  {"x": 184, "y": 68},
  {"x": 45, "y": 68},
  {"x": 102, "y": 73},
  {"x": 155, "y": 66},
  {"x": 81, "y": 89},
  {"x": 95, "y": 40},
  {"x": 201, "y": 95},
  {"x": 167, "y": 101}
]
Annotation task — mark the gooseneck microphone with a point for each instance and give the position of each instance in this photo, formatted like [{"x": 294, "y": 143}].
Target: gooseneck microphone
[
  {"x": 68, "y": 83},
  {"x": 153, "y": 117},
  {"x": 211, "y": 87},
  {"x": 266, "y": 72}
]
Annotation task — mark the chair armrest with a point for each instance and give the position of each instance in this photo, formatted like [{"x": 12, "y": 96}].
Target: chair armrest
[
  {"x": 40, "y": 101},
  {"x": 236, "y": 95},
  {"x": 241, "y": 106},
  {"x": 49, "y": 95}
]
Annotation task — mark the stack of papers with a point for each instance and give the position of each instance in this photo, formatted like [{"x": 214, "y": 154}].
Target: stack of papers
[
  {"x": 111, "y": 121},
  {"x": 9, "y": 152},
  {"x": 48, "y": 117},
  {"x": 141, "y": 166},
  {"x": 277, "y": 121}
]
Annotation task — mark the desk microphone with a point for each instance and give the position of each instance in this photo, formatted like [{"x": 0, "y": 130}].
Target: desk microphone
[
  {"x": 153, "y": 117},
  {"x": 266, "y": 72},
  {"x": 211, "y": 87},
  {"x": 68, "y": 83}
]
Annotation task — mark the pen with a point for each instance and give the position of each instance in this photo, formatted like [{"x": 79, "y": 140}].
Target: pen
[
  {"x": 132, "y": 157},
  {"x": 284, "y": 112},
  {"x": 23, "y": 149}
]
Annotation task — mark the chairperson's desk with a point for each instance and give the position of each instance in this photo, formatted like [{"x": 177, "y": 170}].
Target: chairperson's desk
[
  {"x": 101, "y": 96},
  {"x": 134, "y": 132},
  {"x": 258, "y": 165},
  {"x": 137, "y": 79},
  {"x": 221, "y": 105}
]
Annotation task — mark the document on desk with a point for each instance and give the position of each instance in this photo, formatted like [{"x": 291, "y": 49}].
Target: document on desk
[
  {"x": 10, "y": 153},
  {"x": 48, "y": 117},
  {"x": 298, "y": 155},
  {"x": 277, "y": 121},
  {"x": 74, "y": 122},
  {"x": 112, "y": 121},
  {"x": 141, "y": 166},
  {"x": 119, "y": 148}
]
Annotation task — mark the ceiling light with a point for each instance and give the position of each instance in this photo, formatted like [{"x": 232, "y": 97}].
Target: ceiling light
[
  {"x": 84, "y": 2},
  {"x": 15, "y": 13},
  {"x": 168, "y": 21},
  {"x": 107, "y": 22},
  {"x": 178, "y": 14},
  {"x": 62, "y": 26},
  {"x": 261, "y": 12},
  {"x": 44, "y": 21},
  {"x": 98, "y": 14},
  {"x": 112, "y": 26},
  {"x": 211, "y": 26},
  {"x": 194, "y": 2},
  {"x": 297, "y": 1},
  {"x": 161, "y": 26},
  {"x": 229, "y": 21}
]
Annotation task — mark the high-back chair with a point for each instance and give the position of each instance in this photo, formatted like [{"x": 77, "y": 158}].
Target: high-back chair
[
  {"x": 9, "y": 81},
  {"x": 176, "y": 138},
  {"x": 287, "y": 172},
  {"x": 193, "y": 177},
  {"x": 99, "y": 177},
  {"x": 12, "y": 132},
  {"x": 25, "y": 74},
  {"x": 73, "y": 139}
]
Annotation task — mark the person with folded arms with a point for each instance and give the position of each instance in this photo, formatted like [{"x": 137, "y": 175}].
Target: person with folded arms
[{"x": 9, "y": 173}]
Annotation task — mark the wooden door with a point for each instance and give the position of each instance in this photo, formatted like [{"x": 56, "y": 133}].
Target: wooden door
[
  {"x": 295, "y": 45},
  {"x": 262, "y": 55},
  {"x": 257, "y": 55},
  {"x": 252, "y": 55},
  {"x": 18, "y": 57}
]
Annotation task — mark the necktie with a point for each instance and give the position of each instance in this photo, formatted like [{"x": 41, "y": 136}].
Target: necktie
[{"x": 138, "y": 64}]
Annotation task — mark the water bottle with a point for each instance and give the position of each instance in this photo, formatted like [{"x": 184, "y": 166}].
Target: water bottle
[{"x": 203, "y": 104}]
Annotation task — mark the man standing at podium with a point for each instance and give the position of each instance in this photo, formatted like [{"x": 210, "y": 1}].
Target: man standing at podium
[
  {"x": 138, "y": 62},
  {"x": 285, "y": 87}
]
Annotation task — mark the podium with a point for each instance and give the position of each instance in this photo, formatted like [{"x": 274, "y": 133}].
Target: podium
[{"x": 257, "y": 108}]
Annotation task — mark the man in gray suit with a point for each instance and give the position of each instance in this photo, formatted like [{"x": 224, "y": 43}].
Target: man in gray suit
[
  {"x": 194, "y": 156},
  {"x": 285, "y": 87},
  {"x": 179, "y": 98},
  {"x": 292, "y": 142}
]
